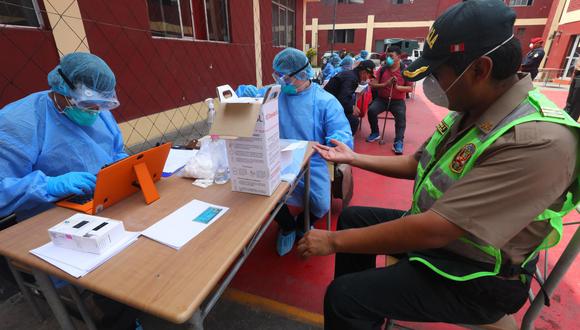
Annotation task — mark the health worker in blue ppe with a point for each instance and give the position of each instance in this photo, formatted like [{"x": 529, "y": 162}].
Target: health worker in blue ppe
[
  {"x": 307, "y": 112},
  {"x": 330, "y": 68},
  {"x": 52, "y": 143},
  {"x": 345, "y": 65},
  {"x": 362, "y": 56}
]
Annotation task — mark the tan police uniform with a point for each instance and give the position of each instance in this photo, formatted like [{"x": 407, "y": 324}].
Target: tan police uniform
[{"x": 524, "y": 172}]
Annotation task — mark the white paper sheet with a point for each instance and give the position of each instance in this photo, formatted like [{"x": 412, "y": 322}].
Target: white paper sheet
[
  {"x": 177, "y": 159},
  {"x": 360, "y": 89},
  {"x": 178, "y": 228},
  {"x": 78, "y": 263}
]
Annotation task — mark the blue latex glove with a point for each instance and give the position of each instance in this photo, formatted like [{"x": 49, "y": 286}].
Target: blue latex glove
[
  {"x": 73, "y": 183},
  {"x": 340, "y": 136},
  {"x": 247, "y": 91}
]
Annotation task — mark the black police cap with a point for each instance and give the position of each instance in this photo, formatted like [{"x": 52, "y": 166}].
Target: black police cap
[{"x": 472, "y": 27}]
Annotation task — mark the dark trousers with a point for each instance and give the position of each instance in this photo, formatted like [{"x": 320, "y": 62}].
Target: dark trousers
[
  {"x": 397, "y": 108},
  {"x": 353, "y": 121},
  {"x": 573, "y": 100},
  {"x": 287, "y": 222},
  {"x": 362, "y": 296}
]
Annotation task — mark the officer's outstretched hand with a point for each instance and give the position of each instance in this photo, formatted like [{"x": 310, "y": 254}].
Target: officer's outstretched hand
[
  {"x": 73, "y": 183},
  {"x": 316, "y": 243},
  {"x": 339, "y": 154}
]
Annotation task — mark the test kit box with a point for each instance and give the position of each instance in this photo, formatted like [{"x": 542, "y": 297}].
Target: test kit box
[
  {"x": 87, "y": 233},
  {"x": 251, "y": 129}
]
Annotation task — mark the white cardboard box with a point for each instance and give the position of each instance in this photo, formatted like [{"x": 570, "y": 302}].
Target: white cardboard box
[
  {"x": 87, "y": 233},
  {"x": 251, "y": 127}
]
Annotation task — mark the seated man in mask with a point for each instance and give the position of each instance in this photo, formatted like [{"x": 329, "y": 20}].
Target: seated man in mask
[{"x": 487, "y": 196}]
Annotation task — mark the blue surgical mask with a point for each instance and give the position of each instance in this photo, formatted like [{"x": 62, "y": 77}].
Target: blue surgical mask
[
  {"x": 80, "y": 116},
  {"x": 389, "y": 62},
  {"x": 289, "y": 89}
]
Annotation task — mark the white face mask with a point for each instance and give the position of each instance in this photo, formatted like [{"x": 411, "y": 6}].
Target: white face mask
[
  {"x": 436, "y": 94},
  {"x": 531, "y": 46}
]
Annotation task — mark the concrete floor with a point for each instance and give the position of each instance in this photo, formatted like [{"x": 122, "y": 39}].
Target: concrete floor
[{"x": 15, "y": 315}]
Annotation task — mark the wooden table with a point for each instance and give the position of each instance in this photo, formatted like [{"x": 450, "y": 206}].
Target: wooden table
[{"x": 152, "y": 277}]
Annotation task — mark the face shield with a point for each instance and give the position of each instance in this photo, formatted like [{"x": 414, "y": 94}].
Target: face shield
[{"x": 89, "y": 99}]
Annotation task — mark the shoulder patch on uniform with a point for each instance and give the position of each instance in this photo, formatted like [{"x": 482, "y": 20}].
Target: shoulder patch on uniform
[
  {"x": 463, "y": 155},
  {"x": 442, "y": 127},
  {"x": 552, "y": 112}
]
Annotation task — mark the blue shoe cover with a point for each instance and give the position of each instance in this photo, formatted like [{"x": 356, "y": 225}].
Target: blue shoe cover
[{"x": 285, "y": 242}]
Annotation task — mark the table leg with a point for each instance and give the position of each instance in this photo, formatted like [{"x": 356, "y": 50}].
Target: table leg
[
  {"x": 81, "y": 307},
  {"x": 25, "y": 291},
  {"x": 53, "y": 300},
  {"x": 307, "y": 198},
  {"x": 196, "y": 321}
]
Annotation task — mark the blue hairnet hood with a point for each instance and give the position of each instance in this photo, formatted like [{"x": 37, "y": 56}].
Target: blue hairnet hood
[
  {"x": 290, "y": 60},
  {"x": 82, "y": 68},
  {"x": 347, "y": 61},
  {"x": 335, "y": 60},
  {"x": 364, "y": 54}
]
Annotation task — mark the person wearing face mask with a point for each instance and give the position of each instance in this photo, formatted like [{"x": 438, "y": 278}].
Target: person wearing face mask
[
  {"x": 534, "y": 57},
  {"x": 486, "y": 199},
  {"x": 343, "y": 86},
  {"x": 307, "y": 112},
  {"x": 54, "y": 142},
  {"x": 391, "y": 93}
]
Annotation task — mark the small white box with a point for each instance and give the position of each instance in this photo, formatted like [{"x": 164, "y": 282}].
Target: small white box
[
  {"x": 254, "y": 153},
  {"x": 87, "y": 233}
]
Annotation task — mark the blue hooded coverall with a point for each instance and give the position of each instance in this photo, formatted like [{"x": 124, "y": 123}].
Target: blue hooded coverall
[{"x": 36, "y": 141}]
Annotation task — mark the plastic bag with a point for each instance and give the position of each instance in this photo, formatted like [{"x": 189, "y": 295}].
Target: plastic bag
[
  {"x": 219, "y": 159},
  {"x": 211, "y": 157}
]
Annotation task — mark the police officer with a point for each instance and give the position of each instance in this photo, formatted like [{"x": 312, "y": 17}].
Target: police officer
[
  {"x": 534, "y": 57},
  {"x": 486, "y": 196}
]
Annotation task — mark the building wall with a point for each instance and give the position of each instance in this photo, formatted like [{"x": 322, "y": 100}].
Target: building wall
[
  {"x": 157, "y": 74},
  {"x": 403, "y": 21},
  {"x": 27, "y": 55},
  {"x": 561, "y": 35},
  {"x": 268, "y": 50},
  {"x": 557, "y": 55},
  {"x": 383, "y": 10},
  {"x": 574, "y": 5},
  {"x": 161, "y": 83}
]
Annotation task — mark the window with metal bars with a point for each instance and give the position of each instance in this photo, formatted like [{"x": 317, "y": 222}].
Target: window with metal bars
[
  {"x": 20, "y": 13},
  {"x": 284, "y": 23},
  {"x": 520, "y": 3},
  {"x": 190, "y": 19},
  {"x": 342, "y": 36}
]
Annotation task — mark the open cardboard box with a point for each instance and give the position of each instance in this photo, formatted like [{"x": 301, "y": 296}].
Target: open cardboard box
[{"x": 251, "y": 129}]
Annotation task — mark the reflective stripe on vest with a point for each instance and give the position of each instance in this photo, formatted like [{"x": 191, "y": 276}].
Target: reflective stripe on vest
[{"x": 434, "y": 177}]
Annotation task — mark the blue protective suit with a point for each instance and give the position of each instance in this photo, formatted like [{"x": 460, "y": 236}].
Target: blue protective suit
[
  {"x": 37, "y": 141},
  {"x": 328, "y": 71},
  {"x": 313, "y": 115}
]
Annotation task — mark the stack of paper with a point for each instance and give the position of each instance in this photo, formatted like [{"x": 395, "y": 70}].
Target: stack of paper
[
  {"x": 178, "y": 228},
  {"x": 78, "y": 263},
  {"x": 177, "y": 159}
]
